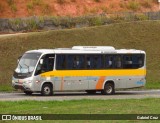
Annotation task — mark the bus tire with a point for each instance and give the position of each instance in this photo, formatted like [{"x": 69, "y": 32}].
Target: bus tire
[
  {"x": 47, "y": 90},
  {"x": 28, "y": 92},
  {"x": 108, "y": 89}
]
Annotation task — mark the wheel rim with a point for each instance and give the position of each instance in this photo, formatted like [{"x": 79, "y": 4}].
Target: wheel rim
[
  {"x": 109, "y": 89},
  {"x": 47, "y": 90}
]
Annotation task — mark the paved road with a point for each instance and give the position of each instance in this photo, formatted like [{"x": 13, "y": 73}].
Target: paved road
[{"x": 81, "y": 95}]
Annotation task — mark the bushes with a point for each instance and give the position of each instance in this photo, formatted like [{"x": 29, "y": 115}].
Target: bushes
[
  {"x": 31, "y": 5},
  {"x": 12, "y": 5},
  {"x": 133, "y": 5},
  {"x": 54, "y": 22},
  {"x": 141, "y": 17}
]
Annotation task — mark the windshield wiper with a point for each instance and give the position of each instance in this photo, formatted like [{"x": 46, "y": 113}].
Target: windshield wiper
[{"x": 27, "y": 67}]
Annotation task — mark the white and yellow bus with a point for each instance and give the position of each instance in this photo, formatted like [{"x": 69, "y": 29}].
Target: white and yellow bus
[{"x": 80, "y": 68}]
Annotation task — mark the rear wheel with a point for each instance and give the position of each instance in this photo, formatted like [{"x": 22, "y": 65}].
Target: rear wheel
[
  {"x": 28, "y": 92},
  {"x": 47, "y": 90},
  {"x": 108, "y": 89}
]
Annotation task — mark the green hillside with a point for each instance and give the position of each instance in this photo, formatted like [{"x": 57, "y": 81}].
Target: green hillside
[{"x": 143, "y": 35}]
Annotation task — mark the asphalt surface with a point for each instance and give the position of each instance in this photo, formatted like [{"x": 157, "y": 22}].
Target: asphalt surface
[{"x": 60, "y": 96}]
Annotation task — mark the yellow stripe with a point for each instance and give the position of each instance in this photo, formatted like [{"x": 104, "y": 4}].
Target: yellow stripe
[{"x": 121, "y": 72}]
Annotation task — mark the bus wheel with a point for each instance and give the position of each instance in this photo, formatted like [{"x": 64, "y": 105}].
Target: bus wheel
[
  {"x": 47, "y": 90},
  {"x": 108, "y": 89},
  {"x": 28, "y": 92},
  {"x": 91, "y": 91}
]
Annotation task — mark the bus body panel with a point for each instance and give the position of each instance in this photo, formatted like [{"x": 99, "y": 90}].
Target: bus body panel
[
  {"x": 87, "y": 81},
  {"x": 85, "y": 78}
]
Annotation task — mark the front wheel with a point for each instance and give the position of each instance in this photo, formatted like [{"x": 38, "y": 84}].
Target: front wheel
[
  {"x": 108, "y": 89},
  {"x": 47, "y": 90}
]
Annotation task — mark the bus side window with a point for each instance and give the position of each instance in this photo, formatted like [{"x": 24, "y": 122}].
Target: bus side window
[
  {"x": 78, "y": 61},
  {"x": 98, "y": 62},
  {"x": 127, "y": 61},
  {"x": 118, "y": 61},
  {"x": 133, "y": 61},
  {"x": 94, "y": 61},
  {"x": 88, "y": 62},
  {"x": 71, "y": 64},
  {"x": 48, "y": 63},
  {"x": 140, "y": 61},
  {"x": 137, "y": 61},
  {"x": 75, "y": 62},
  {"x": 108, "y": 61},
  {"x": 61, "y": 62}
]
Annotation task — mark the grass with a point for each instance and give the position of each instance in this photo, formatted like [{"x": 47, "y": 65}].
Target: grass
[
  {"x": 151, "y": 85},
  {"x": 128, "y": 106},
  {"x": 137, "y": 35}
]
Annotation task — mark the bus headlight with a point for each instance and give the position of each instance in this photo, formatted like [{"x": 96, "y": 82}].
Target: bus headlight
[{"x": 28, "y": 81}]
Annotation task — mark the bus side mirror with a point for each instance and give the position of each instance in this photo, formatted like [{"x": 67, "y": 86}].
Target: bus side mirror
[
  {"x": 19, "y": 59},
  {"x": 41, "y": 61}
]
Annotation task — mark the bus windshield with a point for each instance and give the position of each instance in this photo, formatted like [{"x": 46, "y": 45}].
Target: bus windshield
[{"x": 27, "y": 64}]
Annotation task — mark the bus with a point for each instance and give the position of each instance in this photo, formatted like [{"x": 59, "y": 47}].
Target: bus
[{"x": 80, "y": 68}]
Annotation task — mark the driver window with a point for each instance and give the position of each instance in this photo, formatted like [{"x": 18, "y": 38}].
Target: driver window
[{"x": 47, "y": 65}]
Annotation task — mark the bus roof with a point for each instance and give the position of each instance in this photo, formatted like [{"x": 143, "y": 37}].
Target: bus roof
[{"x": 86, "y": 50}]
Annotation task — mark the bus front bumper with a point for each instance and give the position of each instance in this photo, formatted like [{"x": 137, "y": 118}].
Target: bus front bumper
[{"x": 22, "y": 84}]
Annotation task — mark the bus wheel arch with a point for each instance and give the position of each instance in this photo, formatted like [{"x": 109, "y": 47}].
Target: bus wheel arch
[
  {"x": 47, "y": 89},
  {"x": 108, "y": 88}
]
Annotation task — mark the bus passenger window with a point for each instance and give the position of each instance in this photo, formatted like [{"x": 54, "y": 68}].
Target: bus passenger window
[
  {"x": 98, "y": 62},
  {"x": 60, "y": 62},
  {"x": 75, "y": 62},
  {"x": 108, "y": 61},
  {"x": 140, "y": 61},
  {"x": 118, "y": 63},
  {"x": 80, "y": 61},
  {"x": 127, "y": 61},
  {"x": 137, "y": 61},
  {"x": 133, "y": 61},
  {"x": 88, "y": 62}
]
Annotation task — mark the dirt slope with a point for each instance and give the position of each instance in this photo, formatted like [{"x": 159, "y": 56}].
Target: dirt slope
[{"x": 24, "y": 8}]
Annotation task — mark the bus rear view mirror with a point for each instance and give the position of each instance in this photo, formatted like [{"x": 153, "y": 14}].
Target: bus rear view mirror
[
  {"x": 41, "y": 61},
  {"x": 19, "y": 59}
]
